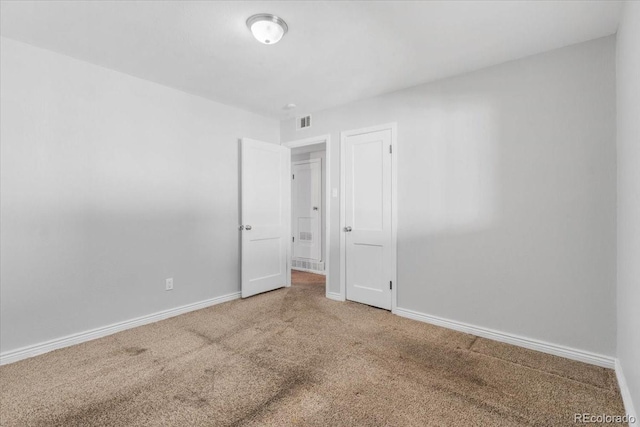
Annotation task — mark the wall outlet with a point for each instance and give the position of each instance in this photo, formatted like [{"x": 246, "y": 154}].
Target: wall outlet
[{"x": 169, "y": 284}]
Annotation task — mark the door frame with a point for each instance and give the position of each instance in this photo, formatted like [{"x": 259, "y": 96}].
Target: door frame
[
  {"x": 393, "y": 127},
  {"x": 326, "y": 140}
]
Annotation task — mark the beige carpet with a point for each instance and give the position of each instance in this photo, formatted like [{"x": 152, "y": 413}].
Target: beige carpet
[{"x": 293, "y": 357}]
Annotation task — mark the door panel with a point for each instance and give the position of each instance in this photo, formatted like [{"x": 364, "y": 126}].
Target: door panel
[
  {"x": 265, "y": 199},
  {"x": 307, "y": 210},
  {"x": 368, "y": 257},
  {"x": 266, "y": 253},
  {"x": 367, "y": 184},
  {"x": 368, "y": 266}
]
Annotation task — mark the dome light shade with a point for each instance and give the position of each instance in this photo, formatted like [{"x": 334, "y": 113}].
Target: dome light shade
[{"x": 267, "y": 28}]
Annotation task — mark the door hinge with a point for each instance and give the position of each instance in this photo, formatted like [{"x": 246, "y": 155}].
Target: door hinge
[
  {"x": 390, "y": 149},
  {"x": 293, "y": 176},
  {"x": 293, "y": 239},
  {"x": 390, "y": 284}
]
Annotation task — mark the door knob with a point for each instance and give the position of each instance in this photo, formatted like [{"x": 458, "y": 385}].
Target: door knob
[
  {"x": 315, "y": 208},
  {"x": 347, "y": 229},
  {"x": 247, "y": 227}
]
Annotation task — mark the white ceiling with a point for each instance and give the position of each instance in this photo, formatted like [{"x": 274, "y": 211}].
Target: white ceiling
[{"x": 335, "y": 52}]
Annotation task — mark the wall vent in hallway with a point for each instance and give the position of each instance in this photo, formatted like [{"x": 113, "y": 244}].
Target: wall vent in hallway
[{"x": 307, "y": 265}]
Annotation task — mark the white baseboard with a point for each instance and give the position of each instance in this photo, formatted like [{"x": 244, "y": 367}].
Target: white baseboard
[
  {"x": 335, "y": 296},
  {"x": 626, "y": 394},
  {"x": 308, "y": 270},
  {"x": 532, "y": 344},
  {"x": 45, "y": 347}
]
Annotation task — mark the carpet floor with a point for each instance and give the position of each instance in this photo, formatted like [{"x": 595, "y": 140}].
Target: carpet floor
[{"x": 294, "y": 357}]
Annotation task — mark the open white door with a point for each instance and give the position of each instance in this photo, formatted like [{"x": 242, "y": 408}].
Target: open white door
[{"x": 265, "y": 187}]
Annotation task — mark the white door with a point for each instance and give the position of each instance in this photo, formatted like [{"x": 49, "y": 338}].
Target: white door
[
  {"x": 368, "y": 226},
  {"x": 265, "y": 211},
  {"x": 306, "y": 200}
]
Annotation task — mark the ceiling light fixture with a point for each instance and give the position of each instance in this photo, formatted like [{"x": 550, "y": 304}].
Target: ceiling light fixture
[{"x": 267, "y": 28}]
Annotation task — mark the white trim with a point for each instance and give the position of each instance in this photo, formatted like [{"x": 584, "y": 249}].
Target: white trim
[
  {"x": 320, "y": 139},
  {"x": 394, "y": 207},
  {"x": 394, "y": 216},
  {"x": 288, "y": 219},
  {"x": 532, "y": 344},
  {"x": 335, "y": 296},
  {"x": 308, "y": 270},
  {"x": 343, "y": 237},
  {"x": 624, "y": 391},
  {"x": 326, "y": 140},
  {"x": 103, "y": 331}
]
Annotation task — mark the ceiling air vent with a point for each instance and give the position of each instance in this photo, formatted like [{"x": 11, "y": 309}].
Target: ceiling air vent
[{"x": 303, "y": 122}]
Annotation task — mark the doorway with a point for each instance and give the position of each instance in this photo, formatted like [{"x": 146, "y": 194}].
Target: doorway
[
  {"x": 308, "y": 254},
  {"x": 307, "y": 199}
]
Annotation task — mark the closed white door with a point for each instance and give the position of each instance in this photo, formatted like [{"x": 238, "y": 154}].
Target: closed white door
[
  {"x": 305, "y": 200},
  {"x": 265, "y": 211},
  {"x": 368, "y": 222}
]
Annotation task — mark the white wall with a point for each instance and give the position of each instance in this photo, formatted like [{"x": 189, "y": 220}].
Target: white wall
[
  {"x": 628, "y": 110},
  {"x": 507, "y": 194},
  {"x": 302, "y": 153},
  {"x": 110, "y": 184}
]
